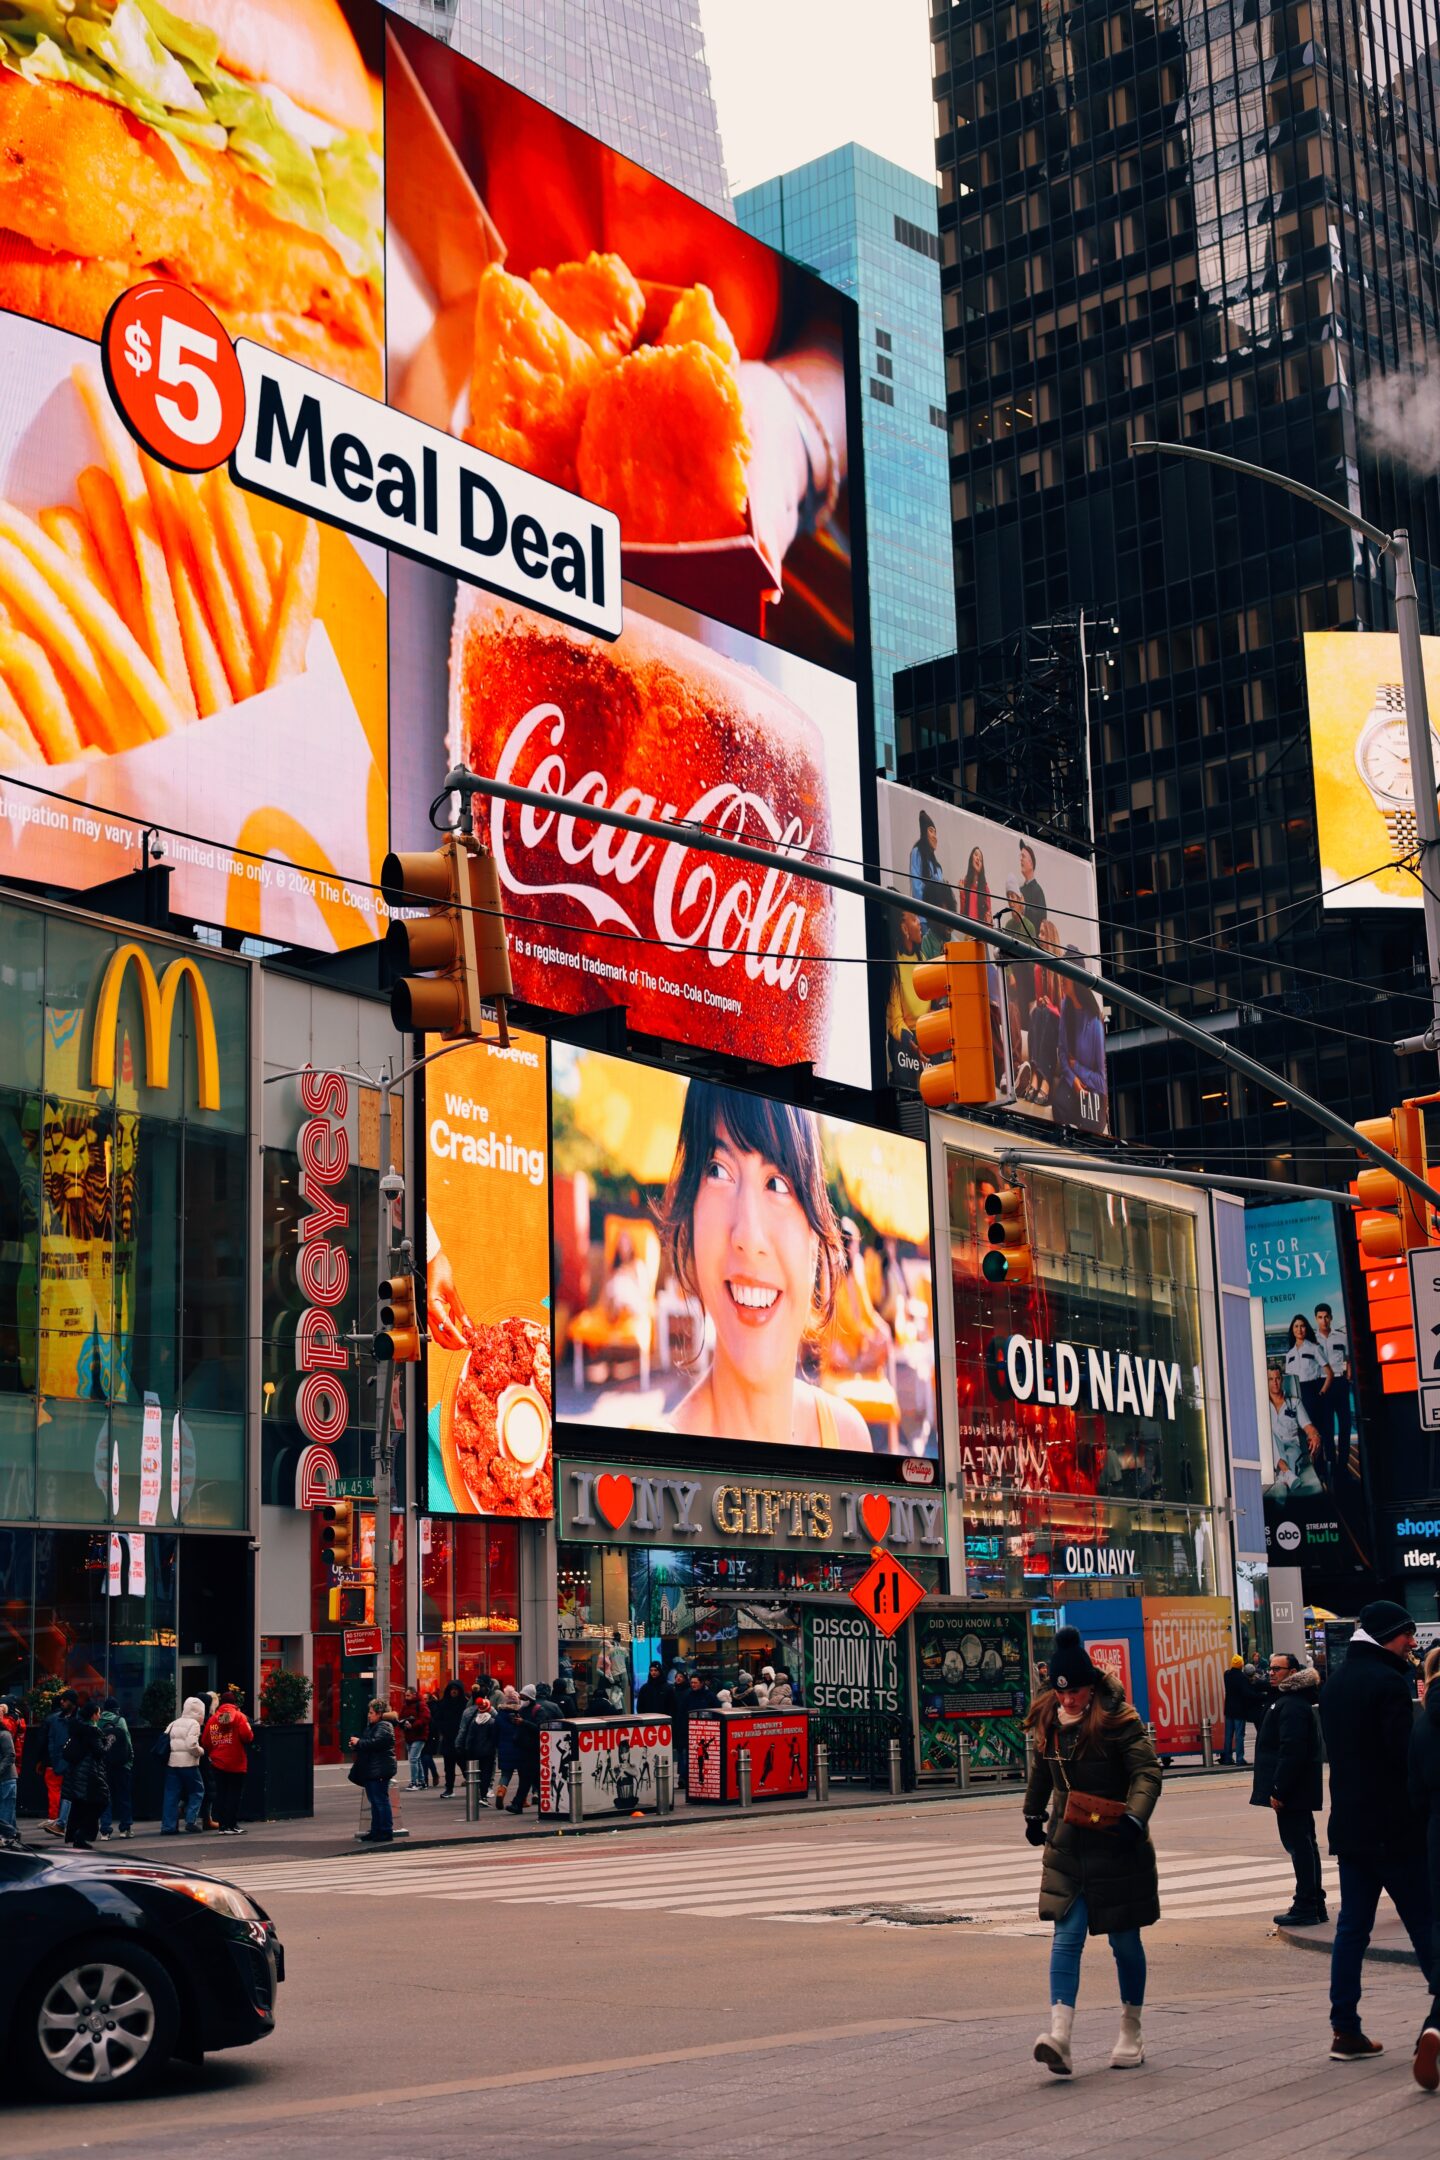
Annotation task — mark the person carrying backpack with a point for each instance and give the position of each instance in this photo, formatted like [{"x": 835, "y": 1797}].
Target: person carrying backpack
[{"x": 119, "y": 1748}]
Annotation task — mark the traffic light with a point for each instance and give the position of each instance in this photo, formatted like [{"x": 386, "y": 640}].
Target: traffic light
[
  {"x": 459, "y": 947},
  {"x": 1406, "y": 1220},
  {"x": 959, "y": 1032},
  {"x": 337, "y": 1533},
  {"x": 399, "y": 1336},
  {"x": 1009, "y": 1259}
]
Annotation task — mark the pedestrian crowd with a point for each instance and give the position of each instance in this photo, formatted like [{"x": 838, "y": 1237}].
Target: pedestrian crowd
[
  {"x": 1095, "y": 1779},
  {"x": 87, "y": 1761}
]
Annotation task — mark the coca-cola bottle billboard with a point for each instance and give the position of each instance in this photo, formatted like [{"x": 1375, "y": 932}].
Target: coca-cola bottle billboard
[{"x": 696, "y": 947}]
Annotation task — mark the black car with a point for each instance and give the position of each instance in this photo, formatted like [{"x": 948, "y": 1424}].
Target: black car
[{"x": 110, "y": 1967}]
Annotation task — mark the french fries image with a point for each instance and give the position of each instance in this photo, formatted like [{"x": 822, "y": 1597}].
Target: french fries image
[{"x": 143, "y": 606}]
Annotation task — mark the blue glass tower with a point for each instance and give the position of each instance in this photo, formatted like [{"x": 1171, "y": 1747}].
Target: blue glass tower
[{"x": 870, "y": 228}]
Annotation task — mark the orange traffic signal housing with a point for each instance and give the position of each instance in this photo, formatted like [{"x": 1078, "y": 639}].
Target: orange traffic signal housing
[
  {"x": 1402, "y": 1219},
  {"x": 958, "y": 1032},
  {"x": 399, "y": 1336},
  {"x": 459, "y": 949},
  {"x": 1008, "y": 1258}
]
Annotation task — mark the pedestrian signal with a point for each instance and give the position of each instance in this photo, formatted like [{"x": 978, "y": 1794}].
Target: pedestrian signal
[
  {"x": 1008, "y": 1258},
  {"x": 399, "y": 1336},
  {"x": 958, "y": 1032},
  {"x": 459, "y": 947},
  {"x": 337, "y": 1533}
]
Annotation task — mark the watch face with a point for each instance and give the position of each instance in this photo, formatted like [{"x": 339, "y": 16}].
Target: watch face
[{"x": 1383, "y": 756}]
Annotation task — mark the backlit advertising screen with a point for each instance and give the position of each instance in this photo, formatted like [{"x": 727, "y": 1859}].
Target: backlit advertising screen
[
  {"x": 680, "y": 718},
  {"x": 1048, "y": 1036},
  {"x": 487, "y": 1281},
  {"x": 1360, "y": 753},
  {"x": 169, "y": 644},
  {"x": 733, "y": 1268},
  {"x": 574, "y": 315}
]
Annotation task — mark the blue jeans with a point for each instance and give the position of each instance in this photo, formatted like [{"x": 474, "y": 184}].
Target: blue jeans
[
  {"x": 119, "y": 1808},
  {"x": 1361, "y": 1882},
  {"x": 1069, "y": 1945},
  {"x": 186, "y": 1785},
  {"x": 417, "y": 1773},
  {"x": 1234, "y": 1748},
  {"x": 382, "y": 1822},
  {"x": 9, "y": 1788}
]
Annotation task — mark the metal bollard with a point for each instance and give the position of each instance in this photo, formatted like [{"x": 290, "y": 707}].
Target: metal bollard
[
  {"x": 665, "y": 1786},
  {"x": 742, "y": 1776},
  {"x": 895, "y": 1779},
  {"x": 1029, "y": 1757},
  {"x": 962, "y": 1763},
  {"x": 822, "y": 1773},
  {"x": 577, "y": 1794},
  {"x": 1207, "y": 1746},
  {"x": 474, "y": 1797}
]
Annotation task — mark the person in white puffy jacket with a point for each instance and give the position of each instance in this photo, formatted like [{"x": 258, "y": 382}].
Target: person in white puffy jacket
[{"x": 183, "y": 1782}]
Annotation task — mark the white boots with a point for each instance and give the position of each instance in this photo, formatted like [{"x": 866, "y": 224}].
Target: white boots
[
  {"x": 1129, "y": 2049},
  {"x": 1053, "y": 2048}
]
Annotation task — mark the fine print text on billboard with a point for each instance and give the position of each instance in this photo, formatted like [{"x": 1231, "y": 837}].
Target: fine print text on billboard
[
  {"x": 733, "y": 1268},
  {"x": 1360, "y": 749},
  {"x": 487, "y": 1281},
  {"x": 1049, "y": 1035}
]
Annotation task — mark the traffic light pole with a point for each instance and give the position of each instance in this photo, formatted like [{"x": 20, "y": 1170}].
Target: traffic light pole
[
  {"x": 463, "y": 782},
  {"x": 384, "y": 1382}
]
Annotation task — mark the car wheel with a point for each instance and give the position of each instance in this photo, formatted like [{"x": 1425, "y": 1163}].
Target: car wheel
[{"x": 101, "y": 2019}]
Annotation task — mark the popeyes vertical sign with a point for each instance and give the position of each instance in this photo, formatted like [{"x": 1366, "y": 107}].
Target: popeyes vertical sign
[{"x": 322, "y": 1357}]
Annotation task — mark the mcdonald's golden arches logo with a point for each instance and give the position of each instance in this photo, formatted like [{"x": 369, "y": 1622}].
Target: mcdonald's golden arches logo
[{"x": 157, "y": 1004}]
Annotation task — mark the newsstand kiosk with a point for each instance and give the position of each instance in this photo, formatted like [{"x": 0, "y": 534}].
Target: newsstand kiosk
[
  {"x": 617, "y": 1761},
  {"x": 778, "y": 1743}
]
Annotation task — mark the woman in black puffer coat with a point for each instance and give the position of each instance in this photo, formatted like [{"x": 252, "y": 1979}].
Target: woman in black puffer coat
[
  {"x": 1100, "y": 1878},
  {"x": 1425, "y": 1800}
]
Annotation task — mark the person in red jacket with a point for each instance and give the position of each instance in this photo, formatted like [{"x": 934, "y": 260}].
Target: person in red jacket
[
  {"x": 415, "y": 1731},
  {"x": 226, "y": 1740}
]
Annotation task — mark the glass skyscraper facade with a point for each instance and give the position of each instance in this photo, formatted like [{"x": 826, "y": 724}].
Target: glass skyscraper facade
[
  {"x": 632, "y": 72},
  {"x": 1162, "y": 222},
  {"x": 869, "y": 227}
]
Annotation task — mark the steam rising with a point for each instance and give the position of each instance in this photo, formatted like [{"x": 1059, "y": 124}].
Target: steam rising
[{"x": 1400, "y": 416}]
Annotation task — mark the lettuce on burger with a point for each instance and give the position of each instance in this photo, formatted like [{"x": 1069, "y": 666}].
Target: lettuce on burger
[{"x": 231, "y": 144}]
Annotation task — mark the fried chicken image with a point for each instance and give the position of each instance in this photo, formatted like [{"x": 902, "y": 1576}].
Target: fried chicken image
[
  {"x": 695, "y": 320},
  {"x": 600, "y": 300},
  {"x": 531, "y": 379},
  {"x": 665, "y": 446}
]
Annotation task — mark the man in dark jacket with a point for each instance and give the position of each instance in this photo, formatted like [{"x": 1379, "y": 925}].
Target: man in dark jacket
[
  {"x": 1288, "y": 1778},
  {"x": 1239, "y": 1699},
  {"x": 654, "y": 1696},
  {"x": 445, "y": 1728},
  {"x": 57, "y": 1733},
  {"x": 1367, "y": 1713}
]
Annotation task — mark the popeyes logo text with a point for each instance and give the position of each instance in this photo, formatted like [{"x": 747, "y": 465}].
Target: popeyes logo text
[
  {"x": 322, "y": 1406},
  {"x": 691, "y": 903}
]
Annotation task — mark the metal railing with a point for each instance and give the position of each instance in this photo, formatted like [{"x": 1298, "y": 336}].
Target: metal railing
[{"x": 857, "y": 1746}]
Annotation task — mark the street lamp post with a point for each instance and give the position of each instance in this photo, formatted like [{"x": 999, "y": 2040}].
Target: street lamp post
[{"x": 1412, "y": 678}]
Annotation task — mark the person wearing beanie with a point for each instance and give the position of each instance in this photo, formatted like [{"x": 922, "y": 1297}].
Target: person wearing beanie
[
  {"x": 1375, "y": 1833},
  {"x": 1240, "y": 1694},
  {"x": 1088, "y": 1802},
  {"x": 1288, "y": 1779},
  {"x": 744, "y": 1695},
  {"x": 1425, "y": 1799}
]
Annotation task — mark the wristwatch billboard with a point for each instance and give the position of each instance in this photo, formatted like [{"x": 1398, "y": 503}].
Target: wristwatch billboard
[{"x": 1382, "y": 757}]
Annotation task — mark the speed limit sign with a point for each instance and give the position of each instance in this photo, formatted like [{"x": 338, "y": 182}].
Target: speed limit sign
[{"x": 173, "y": 375}]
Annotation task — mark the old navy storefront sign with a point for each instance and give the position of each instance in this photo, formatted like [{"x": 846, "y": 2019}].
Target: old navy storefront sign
[
  {"x": 1071, "y": 1374},
  {"x": 605, "y": 1504}
]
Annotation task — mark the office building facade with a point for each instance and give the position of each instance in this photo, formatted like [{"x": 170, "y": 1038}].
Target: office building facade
[
  {"x": 869, "y": 227},
  {"x": 633, "y": 72}
]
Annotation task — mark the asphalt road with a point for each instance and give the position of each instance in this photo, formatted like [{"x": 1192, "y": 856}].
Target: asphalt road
[{"x": 854, "y": 1984}]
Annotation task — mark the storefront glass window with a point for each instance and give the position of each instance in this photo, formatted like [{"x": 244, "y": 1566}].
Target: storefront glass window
[
  {"x": 19, "y": 1238},
  {"x": 17, "y": 1457},
  {"x": 22, "y": 940},
  {"x": 1085, "y": 1455},
  {"x": 470, "y": 1600}
]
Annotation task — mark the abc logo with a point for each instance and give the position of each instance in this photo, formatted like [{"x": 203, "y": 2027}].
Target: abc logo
[{"x": 1287, "y": 1536}]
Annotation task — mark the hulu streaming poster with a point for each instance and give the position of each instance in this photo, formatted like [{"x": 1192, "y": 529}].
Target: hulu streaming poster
[
  {"x": 487, "y": 1281},
  {"x": 1048, "y": 1035},
  {"x": 1314, "y": 1504}
]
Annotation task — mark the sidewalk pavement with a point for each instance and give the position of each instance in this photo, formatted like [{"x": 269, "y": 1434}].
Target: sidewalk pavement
[{"x": 429, "y": 1819}]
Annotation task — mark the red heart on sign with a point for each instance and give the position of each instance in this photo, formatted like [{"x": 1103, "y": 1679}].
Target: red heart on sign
[
  {"x": 875, "y": 1514},
  {"x": 615, "y": 1496}
]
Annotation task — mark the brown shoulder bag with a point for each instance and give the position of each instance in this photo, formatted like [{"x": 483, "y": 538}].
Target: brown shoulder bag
[{"x": 1087, "y": 1811}]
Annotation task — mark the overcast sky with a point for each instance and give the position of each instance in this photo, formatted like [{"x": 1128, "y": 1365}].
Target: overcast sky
[{"x": 795, "y": 78}]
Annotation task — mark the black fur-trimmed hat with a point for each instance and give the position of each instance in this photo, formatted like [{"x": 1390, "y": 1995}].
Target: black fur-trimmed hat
[{"x": 1070, "y": 1665}]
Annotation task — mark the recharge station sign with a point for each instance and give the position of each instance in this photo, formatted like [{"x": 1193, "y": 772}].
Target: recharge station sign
[{"x": 195, "y": 399}]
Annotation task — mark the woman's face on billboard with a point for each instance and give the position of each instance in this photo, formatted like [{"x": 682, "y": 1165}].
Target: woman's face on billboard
[{"x": 754, "y": 1256}]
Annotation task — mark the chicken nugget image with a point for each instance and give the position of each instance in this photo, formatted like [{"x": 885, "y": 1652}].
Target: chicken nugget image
[
  {"x": 695, "y": 319},
  {"x": 530, "y": 380},
  {"x": 600, "y": 299},
  {"x": 665, "y": 446}
]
